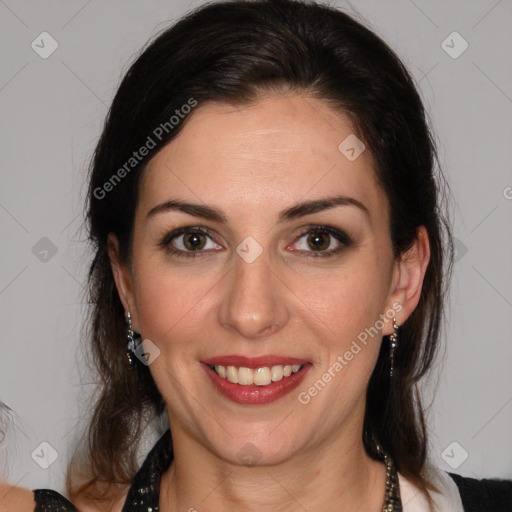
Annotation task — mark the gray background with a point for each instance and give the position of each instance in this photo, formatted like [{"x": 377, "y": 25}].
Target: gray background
[{"x": 52, "y": 111}]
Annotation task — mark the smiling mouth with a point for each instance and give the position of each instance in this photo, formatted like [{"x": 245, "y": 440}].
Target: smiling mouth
[{"x": 262, "y": 376}]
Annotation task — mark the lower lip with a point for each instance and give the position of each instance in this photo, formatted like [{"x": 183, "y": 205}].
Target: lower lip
[{"x": 254, "y": 395}]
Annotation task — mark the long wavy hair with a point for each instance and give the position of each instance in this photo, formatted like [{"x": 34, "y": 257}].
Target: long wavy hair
[{"x": 232, "y": 52}]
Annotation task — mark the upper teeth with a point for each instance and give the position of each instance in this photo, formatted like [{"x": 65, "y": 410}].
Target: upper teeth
[{"x": 260, "y": 376}]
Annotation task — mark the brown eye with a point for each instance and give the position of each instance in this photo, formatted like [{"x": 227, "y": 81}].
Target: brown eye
[
  {"x": 322, "y": 241},
  {"x": 190, "y": 241},
  {"x": 194, "y": 240},
  {"x": 319, "y": 241}
]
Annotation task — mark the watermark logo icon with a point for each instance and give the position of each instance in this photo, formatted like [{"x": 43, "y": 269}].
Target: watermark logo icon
[
  {"x": 454, "y": 45},
  {"x": 454, "y": 455},
  {"x": 459, "y": 250},
  {"x": 351, "y": 147},
  {"x": 147, "y": 352},
  {"x": 44, "y": 250},
  {"x": 249, "y": 249},
  {"x": 249, "y": 454},
  {"x": 44, "y": 455},
  {"x": 44, "y": 45}
]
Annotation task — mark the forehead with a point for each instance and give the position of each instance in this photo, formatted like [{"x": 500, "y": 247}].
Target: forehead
[{"x": 271, "y": 153}]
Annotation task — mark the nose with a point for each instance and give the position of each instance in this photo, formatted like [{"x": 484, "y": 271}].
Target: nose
[{"x": 254, "y": 304}]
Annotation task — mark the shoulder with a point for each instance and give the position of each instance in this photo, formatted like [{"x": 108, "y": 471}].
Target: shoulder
[
  {"x": 458, "y": 493},
  {"x": 25, "y": 500},
  {"x": 448, "y": 498},
  {"x": 15, "y": 498},
  {"x": 487, "y": 494}
]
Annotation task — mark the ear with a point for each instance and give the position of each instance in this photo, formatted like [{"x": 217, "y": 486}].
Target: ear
[
  {"x": 407, "y": 283},
  {"x": 123, "y": 279}
]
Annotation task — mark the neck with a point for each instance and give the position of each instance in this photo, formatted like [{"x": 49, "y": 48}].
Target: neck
[{"x": 339, "y": 477}]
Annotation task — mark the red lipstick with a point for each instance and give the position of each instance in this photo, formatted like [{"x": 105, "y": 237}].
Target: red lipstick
[{"x": 254, "y": 394}]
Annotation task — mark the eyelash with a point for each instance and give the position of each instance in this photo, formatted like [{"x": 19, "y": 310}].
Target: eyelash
[{"x": 342, "y": 237}]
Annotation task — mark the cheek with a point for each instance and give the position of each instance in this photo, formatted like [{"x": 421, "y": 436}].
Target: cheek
[
  {"x": 173, "y": 302},
  {"x": 345, "y": 300},
  {"x": 344, "y": 314}
]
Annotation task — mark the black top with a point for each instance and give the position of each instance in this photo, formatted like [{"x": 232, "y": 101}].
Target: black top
[{"x": 486, "y": 495}]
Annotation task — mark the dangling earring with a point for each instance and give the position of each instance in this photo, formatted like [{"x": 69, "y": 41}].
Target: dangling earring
[
  {"x": 130, "y": 351},
  {"x": 393, "y": 344}
]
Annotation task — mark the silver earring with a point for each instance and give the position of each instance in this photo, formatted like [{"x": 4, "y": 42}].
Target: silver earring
[
  {"x": 393, "y": 344},
  {"x": 130, "y": 351}
]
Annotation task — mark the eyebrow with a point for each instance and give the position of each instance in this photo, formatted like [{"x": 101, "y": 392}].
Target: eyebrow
[{"x": 296, "y": 211}]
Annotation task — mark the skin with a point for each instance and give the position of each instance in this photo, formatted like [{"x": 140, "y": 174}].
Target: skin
[
  {"x": 15, "y": 498},
  {"x": 252, "y": 162}
]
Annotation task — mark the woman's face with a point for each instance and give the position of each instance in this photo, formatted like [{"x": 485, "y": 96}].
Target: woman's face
[{"x": 250, "y": 278}]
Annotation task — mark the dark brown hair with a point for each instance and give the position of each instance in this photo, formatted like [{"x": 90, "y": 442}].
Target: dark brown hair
[{"x": 233, "y": 51}]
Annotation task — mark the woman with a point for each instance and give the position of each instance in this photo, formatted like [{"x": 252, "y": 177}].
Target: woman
[{"x": 266, "y": 216}]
